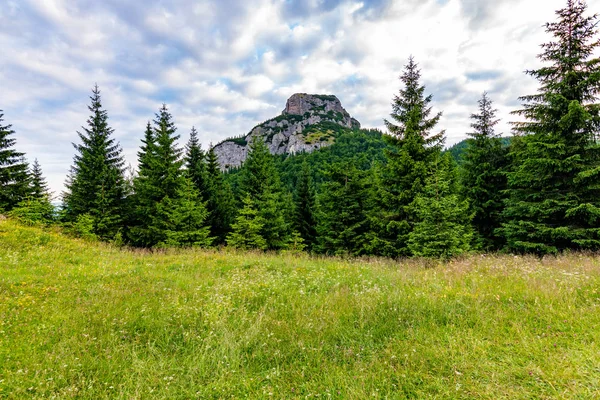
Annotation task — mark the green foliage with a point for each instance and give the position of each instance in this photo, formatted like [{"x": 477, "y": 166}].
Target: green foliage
[
  {"x": 483, "y": 176},
  {"x": 96, "y": 184},
  {"x": 443, "y": 228},
  {"x": 34, "y": 211},
  {"x": 239, "y": 140},
  {"x": 554, "y": 202},
  {"x": 39, "y": 186},
  {"x": 343, "y": 205},
  {"x": 413, "y": 150},
  {"x": 221, "y": 201},
  {"x": 259, "y": 179},
  {"x": 167, "y": 207},
  {"x": 248, "y": 227},
  {"x": 14, "y": 177},
  {"x": 83, "y": 227},
  {"x": 195, "y": 164},
  {"x": 184, "y": 221},
  {"x": 304, "y": 222}
]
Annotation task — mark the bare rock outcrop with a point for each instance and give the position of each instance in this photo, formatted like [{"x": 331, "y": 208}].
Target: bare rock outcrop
[{"x": 307, "y": 123}]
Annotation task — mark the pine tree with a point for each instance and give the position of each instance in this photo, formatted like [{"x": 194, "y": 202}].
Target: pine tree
[
  {"x": 343, "y": 206},
  {"x": 554, "y": 188},
  {"x": 247, "y": 230},
  {"x": 260, "y": 180},
  {"x": 185, "y": 219},
  {"x": 413, "y": 151},
  {"x": 37, "y": 207},
  {"x": 195, "y": 163},
  {"x": 14, "y": 176},
  {"x": 304, "y": 206},
  {"x": 443, "y": 228},
  {"x": 159, "y": 183},
  {"x": 96, "y": 185},
  {"x": 221, "y": 200},
  {"x": 483, "y": 176},
  {"x": 39, "y": 186}
]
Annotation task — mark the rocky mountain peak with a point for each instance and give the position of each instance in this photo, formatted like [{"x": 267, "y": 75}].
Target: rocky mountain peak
[
  {"x": 308, "y": 122},
  {"x": 301, "y": 103}
]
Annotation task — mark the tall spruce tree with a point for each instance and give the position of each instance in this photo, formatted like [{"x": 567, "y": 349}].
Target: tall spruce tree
[
  {"x": 195, "y": 163},
  {"x": 554, "y": 185},
  {"x": 14, "y": 176},
  {"x": 304, "y": 207},
  {"x": 158, "y": 182},
  {"x": 443, "y": 228},
  {"x": 96, "y": 185},
  {"x": 343, "y": 206},
  {"x": 260, "y": 180},
  {"x": 483, "y": 176},
  {"x": 221, "y": 200},
  {"x": 413, "y": 150}
]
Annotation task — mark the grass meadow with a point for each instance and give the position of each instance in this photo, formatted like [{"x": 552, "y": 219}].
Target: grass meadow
[{"x": 90, "y": 321}]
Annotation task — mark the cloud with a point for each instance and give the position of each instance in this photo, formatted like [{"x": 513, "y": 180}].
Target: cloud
[{"x": 224, "y": 66}]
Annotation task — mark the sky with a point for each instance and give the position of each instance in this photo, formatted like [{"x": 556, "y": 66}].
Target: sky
[{"x": 224, "y": 66}]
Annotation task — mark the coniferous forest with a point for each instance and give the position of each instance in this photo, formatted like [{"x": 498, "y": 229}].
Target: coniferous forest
[{"x": 393, "y": 194}]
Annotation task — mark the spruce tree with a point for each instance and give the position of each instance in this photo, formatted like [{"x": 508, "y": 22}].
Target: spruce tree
[
  {"x": 554, "y": 188},
  {"x": 39, "y": 186},
  {"x": 343, "y": 206},
  {"x": 260, "y": 180},
  {"x": 14, "y": 176},
  {"x": 195, "y": 163},
  {"x": 483, "y": 176},
  {"x": 413, "y": 148},
  {"x": 159, "y": 183},
  {"x": 221, "y": 200},
  {"x": 96, "y": 185},
  {"x": 304, "y": 207},
  {"x": 443, "y": 228},
  {"x": 247, "y": 231},
  {"x": 36, "y": 208},
  {"x": 184, "y": 219}
]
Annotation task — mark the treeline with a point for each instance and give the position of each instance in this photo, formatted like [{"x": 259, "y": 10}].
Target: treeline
[{"x": 396, "y": 194}]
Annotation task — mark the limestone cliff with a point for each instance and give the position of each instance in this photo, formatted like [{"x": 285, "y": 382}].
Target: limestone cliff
[{"x": 307, "y": 123}]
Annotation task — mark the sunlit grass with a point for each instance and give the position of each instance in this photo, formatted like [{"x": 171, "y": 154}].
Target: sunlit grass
[{"x": 90, "y": 321}]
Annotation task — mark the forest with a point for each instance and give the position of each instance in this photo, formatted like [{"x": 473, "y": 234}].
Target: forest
[{"x": 392, "y": 194}]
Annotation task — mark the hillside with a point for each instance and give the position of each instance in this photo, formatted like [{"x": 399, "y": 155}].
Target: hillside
[
  {"x": 308, "y": 122},
  {"x": 91, "y": 321}
]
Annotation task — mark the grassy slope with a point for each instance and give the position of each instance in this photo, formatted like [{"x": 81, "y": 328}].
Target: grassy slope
[{"x": 89, "y": 321}]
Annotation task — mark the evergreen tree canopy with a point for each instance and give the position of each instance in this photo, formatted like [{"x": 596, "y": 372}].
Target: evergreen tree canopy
[
  {"x": 221, "y": 201},
  {"x": 343, "y": 206},
  {"x": 14, "y": 177},
  {"x": 260, "y": 180},
  {"x": 248, "y": 227},
  {"x": 443, "y": 228},
  {"x": 304, "y": 200},
  {"x": 195, "y": 163},
  {"x": 96, "y": 185},
  {"x": 483, "y": 176},
  {"x": 412, "y": 150},
  {"x": 554, "y": 185},
  {"x": 159, "y": 184},
  {"x": 39, "y": 186}
]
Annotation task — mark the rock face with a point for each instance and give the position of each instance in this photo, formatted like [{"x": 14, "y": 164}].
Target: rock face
[{"x": 307, "y": 123}]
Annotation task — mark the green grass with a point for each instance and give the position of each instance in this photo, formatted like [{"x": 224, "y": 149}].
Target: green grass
[{"x": 88, "y": 321}]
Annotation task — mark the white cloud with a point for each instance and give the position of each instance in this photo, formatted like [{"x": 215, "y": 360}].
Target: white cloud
[{"x": 226, "y": 65}]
